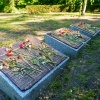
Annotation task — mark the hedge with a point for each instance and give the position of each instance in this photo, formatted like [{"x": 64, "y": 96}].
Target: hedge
[{"x": 34, "y": 9}]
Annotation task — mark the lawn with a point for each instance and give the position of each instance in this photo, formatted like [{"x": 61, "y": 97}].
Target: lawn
[{"x": 81, "y": 79}]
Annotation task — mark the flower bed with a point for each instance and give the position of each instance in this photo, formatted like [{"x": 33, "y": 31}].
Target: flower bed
[
  {"x": 86, "y": 29},
  {"x": 28, "y": 64},
  {"x": 66, "y": 41}
]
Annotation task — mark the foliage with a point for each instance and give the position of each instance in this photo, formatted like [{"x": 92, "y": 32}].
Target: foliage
[
  {"x": 1, "y": 5},
  {"x": 93, "y": 5},
  {"x": 33, "y": 9},
  {"x": 7, "y": 9},
  {"x": 55, "y": 85},
  {"x": 74, "y": 5}
]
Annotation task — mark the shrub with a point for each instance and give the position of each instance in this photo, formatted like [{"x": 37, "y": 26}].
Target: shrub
[
  {"x": 34, "y": 9},
  {"x": 7, "y": 9}
]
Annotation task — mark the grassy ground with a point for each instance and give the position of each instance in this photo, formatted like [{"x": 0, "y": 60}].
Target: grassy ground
[{"x": 81, "y": 79}]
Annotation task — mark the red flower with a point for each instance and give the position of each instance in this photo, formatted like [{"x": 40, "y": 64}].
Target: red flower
[
  {"x": 9, "y": 54},
  {"x": 28, "y": 41},
  {"x": 24, "y": 42},
  {"x": 19, "y": 57},
  {"x": 9, "y": 51},
  {"x": 22, "y": 45},
  {"x": 81, "y": 24},
  {"x": 62, "y": 32}
]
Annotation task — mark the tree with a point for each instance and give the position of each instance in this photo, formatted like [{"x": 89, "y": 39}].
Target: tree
[
  {"x": 12, "y": 5},
  {"x": 9, "y": 6},
  {"x": 84, "y": 4}
]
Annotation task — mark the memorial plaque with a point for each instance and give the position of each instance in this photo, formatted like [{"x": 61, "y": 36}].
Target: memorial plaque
[
  {"x": 66, "y": 41},
  {"x": 25, "y": 63},
  {"x": 86, "y": 29}
]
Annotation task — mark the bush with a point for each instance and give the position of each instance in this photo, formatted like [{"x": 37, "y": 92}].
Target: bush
[
  {"x": 1, "y": 8},
  {"x": 34, "y": 9},
  {"x": 7, "y": 9}
]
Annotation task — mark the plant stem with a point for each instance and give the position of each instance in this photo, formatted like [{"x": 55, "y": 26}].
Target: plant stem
[{"x": 31, "y": 66}]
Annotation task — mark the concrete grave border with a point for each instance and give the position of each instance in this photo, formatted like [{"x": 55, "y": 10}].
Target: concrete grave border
[
  {"x": 62, "y": 47},
  {"x": 83, "y": 31}
]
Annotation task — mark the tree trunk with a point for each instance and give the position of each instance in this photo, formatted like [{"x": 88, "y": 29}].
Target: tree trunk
[
  {"x": 12, "y": 5},
  {"x": 84, "y": 7}
]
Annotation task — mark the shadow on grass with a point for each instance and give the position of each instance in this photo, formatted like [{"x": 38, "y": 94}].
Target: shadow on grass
[
  {"x": 46, "y": 25},
  {"x": 88, "y": 60}
]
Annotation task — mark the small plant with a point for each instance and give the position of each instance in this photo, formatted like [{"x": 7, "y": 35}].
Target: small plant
[
  {"x": 66, "y": 78},
  {"x": 97, "y": 68},
  {"x": 82, "y": 78},
  {"x": 55, "y": 85},
  {"x": 69, "y": 94},
  {"x": 88, "y": 95}
]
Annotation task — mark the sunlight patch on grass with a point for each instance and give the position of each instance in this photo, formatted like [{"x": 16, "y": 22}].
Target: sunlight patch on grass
[
  {"x": 17, "y": 26},
  {"x": 7, "y": 42}
]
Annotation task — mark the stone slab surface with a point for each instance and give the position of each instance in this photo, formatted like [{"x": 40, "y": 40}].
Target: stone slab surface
[
  {"x": 83, "y": 31},
  {"x": 21, "y": 86},
  {"x": 64, "y": 47}
]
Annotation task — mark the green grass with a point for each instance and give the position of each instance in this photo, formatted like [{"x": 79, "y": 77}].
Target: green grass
[
  {"x": 17, "y": 26},
  {"x": 76, "y": 81}
]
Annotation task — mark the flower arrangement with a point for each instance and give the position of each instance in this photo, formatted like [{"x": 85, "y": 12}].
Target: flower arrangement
[
  {"x": 87, "y": 27},
  {"x": 70, "y": 37},
  {"x": 34, "y": 58},
  {"x": 25, "y": 44}
]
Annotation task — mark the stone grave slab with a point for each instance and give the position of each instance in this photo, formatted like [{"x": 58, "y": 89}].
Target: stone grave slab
[
  {"x": 67, "y": 41},
  {"x": 28, "y": 67},
  {"x": 86, "y": 29}
]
